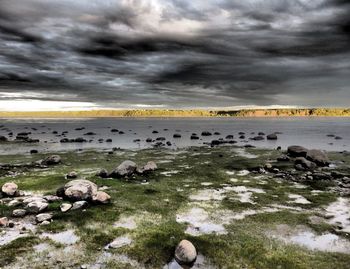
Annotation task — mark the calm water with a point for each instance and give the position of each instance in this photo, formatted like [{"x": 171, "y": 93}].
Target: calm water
[{"x": 308, "y": 132}]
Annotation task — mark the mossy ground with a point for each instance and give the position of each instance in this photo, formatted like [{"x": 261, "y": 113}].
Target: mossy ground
[{"x": 156, "y": 204}]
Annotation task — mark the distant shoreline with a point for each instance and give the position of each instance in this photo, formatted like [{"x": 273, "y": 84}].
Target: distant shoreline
[{"x": 191, "y": 113}]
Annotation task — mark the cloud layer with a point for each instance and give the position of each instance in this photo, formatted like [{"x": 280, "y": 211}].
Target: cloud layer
[{"x": 176, "y": 53}]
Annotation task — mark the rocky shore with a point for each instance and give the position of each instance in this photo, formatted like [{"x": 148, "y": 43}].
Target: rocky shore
[{"x": 164, "y": 208}]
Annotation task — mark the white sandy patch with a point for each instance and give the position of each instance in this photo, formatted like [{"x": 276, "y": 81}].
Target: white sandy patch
[
  {"x": 298, "y": 199},
  {"x": 208, "y": 194},
  {"x": 170, "y": 173},
  {"x": 304, "y": 237},
  {"x": 243, "y": 173},
  {"x": 199, "y": 222},
  {"x": 339, "y": 214}
]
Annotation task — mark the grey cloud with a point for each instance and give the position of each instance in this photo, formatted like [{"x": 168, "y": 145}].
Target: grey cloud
[{"x": 250, "y": 52}]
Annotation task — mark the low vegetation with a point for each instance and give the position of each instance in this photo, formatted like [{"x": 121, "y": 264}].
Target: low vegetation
[{"x": 154, "y": 202}]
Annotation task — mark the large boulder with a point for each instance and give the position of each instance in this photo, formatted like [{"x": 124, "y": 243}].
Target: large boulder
[
  {"x": 79, "y": 189},
  {"x": 52, "y": 160},
  {"x": 317, "y": 156},
  {"x": 297, "y": 151},
  {"x": 125, "y": 169},
  {"x": 185, "y": 253},
  {"x": 10, "y": 189}
]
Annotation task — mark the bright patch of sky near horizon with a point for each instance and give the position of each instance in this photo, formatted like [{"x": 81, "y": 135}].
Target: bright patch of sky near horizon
[{"x": 73, "y": 54}]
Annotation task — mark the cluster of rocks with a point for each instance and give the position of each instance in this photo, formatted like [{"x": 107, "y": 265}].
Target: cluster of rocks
[
  {"x": 27, "y": 204},
  {"x": 306, "y": 159},
  {"x": 261, "y": 136},
  {"x": 306, "y": 165},
  {"x": 128, "y": 169},
  {"x": 76, "y": 194}
]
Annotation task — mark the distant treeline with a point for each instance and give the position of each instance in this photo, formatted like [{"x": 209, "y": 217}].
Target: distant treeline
[{"x": 303, "y": 112}]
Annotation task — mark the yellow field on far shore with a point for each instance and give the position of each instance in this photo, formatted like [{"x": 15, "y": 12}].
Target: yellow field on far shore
[{"x": 303, "y": 112}]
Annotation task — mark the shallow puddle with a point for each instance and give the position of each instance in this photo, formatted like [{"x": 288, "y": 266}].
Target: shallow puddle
[
  {"x": 208, "y": 194},
  {"x": 126, "y": 222},
  {"x": 199, "y": 222},
  {"x": 8, "y": 236},
  {"x": 339, "y": 214},
  {"x": 66, "y": 238},
  {"x": 303, "y": 237},
  {"x": 298, "y": 199}
]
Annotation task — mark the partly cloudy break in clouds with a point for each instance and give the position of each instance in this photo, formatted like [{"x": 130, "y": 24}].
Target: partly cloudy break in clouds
[{"x": 174, "y": 53}]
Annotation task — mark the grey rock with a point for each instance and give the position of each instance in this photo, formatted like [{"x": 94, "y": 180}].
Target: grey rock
[
  {"x": 185, "y": 253},
  {"x": 317, "y": 156},
  {"x": 80, "y": 189},
  {"x": 18, "y": 213},
  {"x": 9, "y": 188},
  {"x": 305, "y": 163},
  {"x": 43, "y": 217},
  {"x": 297, "y": 151},
  {"x": 125, "y": 169},
  {"x": 79, "y": 205}
]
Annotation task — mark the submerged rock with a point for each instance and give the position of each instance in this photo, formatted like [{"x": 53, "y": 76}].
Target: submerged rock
[
  {"x": 271, "y": 137},
  {"x": 185, "y": 253}
]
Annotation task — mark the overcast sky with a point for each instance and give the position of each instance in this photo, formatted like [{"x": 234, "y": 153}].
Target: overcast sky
[{"x": 173, "y": 53}]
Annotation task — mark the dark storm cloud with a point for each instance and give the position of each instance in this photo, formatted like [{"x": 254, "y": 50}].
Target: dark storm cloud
[{"x": 176, "y": 53}]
